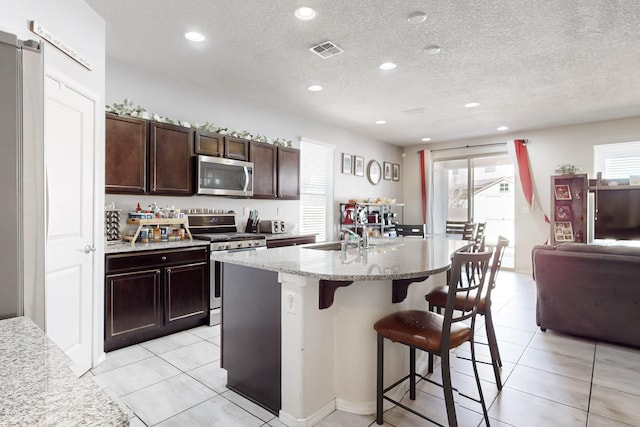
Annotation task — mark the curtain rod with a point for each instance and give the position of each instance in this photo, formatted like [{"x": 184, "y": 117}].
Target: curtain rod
[{"x": 469, "y": 146}]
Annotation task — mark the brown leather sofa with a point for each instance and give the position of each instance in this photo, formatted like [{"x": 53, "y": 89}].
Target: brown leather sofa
[{"x": 589, "y": 290}]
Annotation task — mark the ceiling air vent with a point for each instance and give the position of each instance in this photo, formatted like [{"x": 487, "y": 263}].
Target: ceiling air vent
[
  {"x": 326, "y": 49},
  {"x": 415, "y": 111}
]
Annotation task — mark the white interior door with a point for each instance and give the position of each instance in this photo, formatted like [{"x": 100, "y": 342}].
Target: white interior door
[{"x": 69, "y": 142}]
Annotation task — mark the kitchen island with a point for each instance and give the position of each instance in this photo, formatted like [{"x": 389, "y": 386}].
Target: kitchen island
[
  {"x": 316, "y": 304},
  {"x": 37, "y": 387}
]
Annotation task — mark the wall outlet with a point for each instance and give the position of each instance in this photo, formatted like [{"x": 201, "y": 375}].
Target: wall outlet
[{"x": 291, "y": 302}]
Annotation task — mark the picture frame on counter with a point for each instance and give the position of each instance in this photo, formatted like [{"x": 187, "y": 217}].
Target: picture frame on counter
[
  {"x": 358, "y": 165},
  {"x": 386, "y": 167},
  {"x": 346, "y": 164},
  {"x": 396, "y": 172}
]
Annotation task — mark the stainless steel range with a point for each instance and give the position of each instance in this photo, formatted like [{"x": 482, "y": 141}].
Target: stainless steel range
[{"x": 221, "y": 230}]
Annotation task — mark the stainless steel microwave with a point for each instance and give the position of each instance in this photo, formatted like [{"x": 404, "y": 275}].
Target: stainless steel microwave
[{"x": 224, "y": 177}]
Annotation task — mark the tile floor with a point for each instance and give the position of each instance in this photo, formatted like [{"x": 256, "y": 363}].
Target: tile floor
[{"x": 549, "y": 379}]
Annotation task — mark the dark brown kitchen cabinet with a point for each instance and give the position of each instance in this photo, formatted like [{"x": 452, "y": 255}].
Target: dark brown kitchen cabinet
[
  {"x": 170, "y": 164},
  {"x": 288, "y": 173},
  {"x": 209, "y": 144},
  {"x": 125, "y": 155},
  {"x": 149, "y": 294},
  {"x": 265, "y": 163},
  {"x": 251, "y": 334},
  {"x": 236, "y": 148}
]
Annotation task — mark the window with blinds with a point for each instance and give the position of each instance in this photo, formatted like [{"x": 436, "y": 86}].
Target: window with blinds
[
  {"x": 617, "y": 161},
  {"x": 316, "y": 189}
]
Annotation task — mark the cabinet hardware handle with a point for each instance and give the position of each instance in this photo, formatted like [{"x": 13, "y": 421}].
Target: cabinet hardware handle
[
  {"x": 164, "y": 258},
  {"x": 168, "y": 271},
  {"x": 88, "y": 249}
]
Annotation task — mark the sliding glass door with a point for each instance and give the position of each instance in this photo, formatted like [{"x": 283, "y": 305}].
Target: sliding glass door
[{"x": 476, "y": 189}]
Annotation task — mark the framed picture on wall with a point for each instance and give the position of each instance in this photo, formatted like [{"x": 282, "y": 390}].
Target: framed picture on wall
[
  {"x": 346, "y": 163},
  {"x": 563, "y": 213},
  {"x": 387, "y": 170},
  {"x": 358, "y": 165},
  {"x": 563, "y": 231},
  {"x": 562, "y": 192},
  {"x": 396, "y": 172}
]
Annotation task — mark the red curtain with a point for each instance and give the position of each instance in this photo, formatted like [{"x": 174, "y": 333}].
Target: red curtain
[
  {"x": 522, "y": 160},
  {"x": 423, "y": 183}
]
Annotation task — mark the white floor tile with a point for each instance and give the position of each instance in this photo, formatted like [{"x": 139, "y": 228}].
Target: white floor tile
[
  {"x": 167, "y": 398},
  {"x": 192, "y": 356},
  {"x": 215, "y": 412},
  {"x": 248, "y": 406},
  {"x": 122, "y": 357},
  {"x": 524, "y": 410},
  {"x": 570, "y": 366},
  {"x": 211, "y": 375},
  {"x": 170, "y": 342},
  {"x": 136, "y": 376},
  {"x": 561, "y": 389},
  {"x": 615, "y": 405},
  {"x": 206, "y": 332}
]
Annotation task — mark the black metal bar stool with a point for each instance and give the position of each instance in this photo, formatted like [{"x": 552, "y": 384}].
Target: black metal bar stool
[
  {"x": 436, "y": 334},
  {"x": 437, "y": 300}
]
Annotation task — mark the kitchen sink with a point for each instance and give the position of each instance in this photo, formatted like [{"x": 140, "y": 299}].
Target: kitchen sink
[{"x": 333, "y": 246}]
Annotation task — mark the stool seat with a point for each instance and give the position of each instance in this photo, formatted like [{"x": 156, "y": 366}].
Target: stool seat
[
  {"x": 421, "y": 329},
  {"x": 438, "y": 297}
]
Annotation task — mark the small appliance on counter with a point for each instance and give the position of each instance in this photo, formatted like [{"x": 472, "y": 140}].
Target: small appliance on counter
[{"x": 272, "y": 226}]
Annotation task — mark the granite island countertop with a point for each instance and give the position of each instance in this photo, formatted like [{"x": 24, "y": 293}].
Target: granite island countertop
[
  {"x": 389, "y": 259},
  {"x": 37, "y": 387}
]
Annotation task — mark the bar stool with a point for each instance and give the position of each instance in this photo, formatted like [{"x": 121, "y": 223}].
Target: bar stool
[
  {"x": 438, "y": 298},
  {"x": 436, "y": 334}
]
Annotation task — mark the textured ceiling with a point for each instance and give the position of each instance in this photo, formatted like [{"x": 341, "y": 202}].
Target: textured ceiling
[{"x": 529, "y": 63}]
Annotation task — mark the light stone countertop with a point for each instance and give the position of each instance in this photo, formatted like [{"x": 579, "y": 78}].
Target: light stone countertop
[
  {"x": 388, "y": 259},
  {"x": 120, "y": 246},
  {"x": 37, "y": 387}
]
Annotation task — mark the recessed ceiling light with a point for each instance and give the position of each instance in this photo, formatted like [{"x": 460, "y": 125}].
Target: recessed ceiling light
[
  {"x": 315, "y": 88},
  {"x": 417, "y": 18},
  {"x": 472, "y": 104},
  {"x": 502, "y": 128},
  {"x": 305, "y": 13},
  {"x": 426, "y": 139},
  {"x": 380, "y": 122},
  {"x": 388, "y": 66},
  {"x": 194, "y": 36},
  {"x": 432, "y": 50}
]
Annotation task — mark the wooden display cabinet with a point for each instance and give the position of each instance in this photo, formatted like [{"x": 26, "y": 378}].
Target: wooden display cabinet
[{"x": 568, "y": 216}]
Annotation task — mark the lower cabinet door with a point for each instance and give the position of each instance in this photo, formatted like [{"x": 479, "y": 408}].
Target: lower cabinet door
[
  {"x": 186, "y": 293},
  {"x": 133, "y": 307}
]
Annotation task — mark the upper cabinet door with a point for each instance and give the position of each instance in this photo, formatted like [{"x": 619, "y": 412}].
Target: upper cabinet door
[
  {"x": 288, "y": 173},
  {"x": 170, "y": 159},
  {"x": 209, "y": 144},
  {"x": 265, "y": 162},
  {"x": 125, "y": 155},
  {"x": 236, "y": 148}
]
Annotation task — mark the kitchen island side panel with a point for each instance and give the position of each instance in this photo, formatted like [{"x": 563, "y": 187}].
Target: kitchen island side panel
[{"x": 251, "y": 334}]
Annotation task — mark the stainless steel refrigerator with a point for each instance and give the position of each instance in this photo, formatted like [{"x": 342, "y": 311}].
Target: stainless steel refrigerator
[{"x": 22, "y": 182}]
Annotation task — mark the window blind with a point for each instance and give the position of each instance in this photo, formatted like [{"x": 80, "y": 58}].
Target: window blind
[
  {"x": 316, "y": 189},
  {"x": 617, "y": 160}
]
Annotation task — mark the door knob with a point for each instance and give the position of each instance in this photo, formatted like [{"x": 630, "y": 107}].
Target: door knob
[{"x": 88, "y": 249}]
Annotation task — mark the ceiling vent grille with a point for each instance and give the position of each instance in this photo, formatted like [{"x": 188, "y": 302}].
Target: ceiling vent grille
[
  {"x": 415, "y": 111},
  {"x": 326, "y": 49}
]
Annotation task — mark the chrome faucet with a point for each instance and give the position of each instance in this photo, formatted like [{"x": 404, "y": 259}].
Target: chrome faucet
[{"x": 357, "y": 236}]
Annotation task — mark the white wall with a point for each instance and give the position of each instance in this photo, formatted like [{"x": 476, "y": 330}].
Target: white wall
[
  {"x": 547, "y": 149},
  {"x": 79, "y": 27},
  {"x": 169, "y": 96}
]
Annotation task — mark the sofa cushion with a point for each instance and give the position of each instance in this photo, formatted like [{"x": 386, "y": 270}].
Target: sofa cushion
[{"x": 600, "y": 249}]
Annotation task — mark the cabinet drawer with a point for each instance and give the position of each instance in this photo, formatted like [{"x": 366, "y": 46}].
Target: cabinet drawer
[{"x": 134, "y": 261}]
